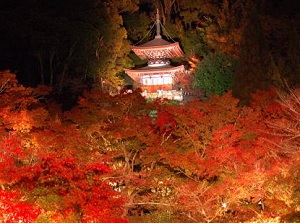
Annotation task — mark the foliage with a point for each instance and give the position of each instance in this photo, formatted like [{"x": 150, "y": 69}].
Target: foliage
[
  {"x": 136, "y": 25},
  {"x": 110, "y": 159},
  {"x": 215, "y": 73},
  {"x": 250, "y": 31},
  {"x": 47, "y": 173},
  {"x": 223, "y": 147},
  {"x": 14, "y": 209},
  {"x": 74, "y": 42},
  {"x": 59, "y": 188},
  {"x": 66, "y": 40}
]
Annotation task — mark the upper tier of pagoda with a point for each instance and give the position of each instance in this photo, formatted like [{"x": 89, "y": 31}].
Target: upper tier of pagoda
[
  {"x": 158, "y": 51},
  {"x": 158, "y": 48}
]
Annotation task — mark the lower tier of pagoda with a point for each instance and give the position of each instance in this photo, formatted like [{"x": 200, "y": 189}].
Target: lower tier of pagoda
[{"x": 157, "y": 81}]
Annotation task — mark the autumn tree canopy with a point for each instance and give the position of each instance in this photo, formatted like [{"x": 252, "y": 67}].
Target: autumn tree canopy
[{"x": 122, "y": 159}]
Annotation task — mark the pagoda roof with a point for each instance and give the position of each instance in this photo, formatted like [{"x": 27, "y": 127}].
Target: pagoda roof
[
  {"x": 149, "y": 70},
  {"x": 157, "y": 41},
  {"x": 173, "y": 49}
]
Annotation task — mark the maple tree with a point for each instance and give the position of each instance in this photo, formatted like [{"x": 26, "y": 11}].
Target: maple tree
[
  {"x": 245, "y": 161},
  {"x": 216, "y": 148},
  {"x": 120, "y": 159},
  {"x": 60, "y": 188},
  {"x": 51, "y": 176}
]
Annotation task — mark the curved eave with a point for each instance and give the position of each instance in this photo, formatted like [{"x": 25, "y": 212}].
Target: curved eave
[
  {"x": 173, "y": 49},
  {"x": 137, "y": 73}
]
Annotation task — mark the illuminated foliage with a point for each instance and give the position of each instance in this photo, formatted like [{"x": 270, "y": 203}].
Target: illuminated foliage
[
  {"x": 110, "y": 159},
  {"x": 58, "y": 188},
  {"x": 13, "y": 208},
  {"x": 47, "y": 173}
]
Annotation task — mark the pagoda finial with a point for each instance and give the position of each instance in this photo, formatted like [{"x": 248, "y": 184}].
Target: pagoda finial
[{"x": 158, "y": 36}]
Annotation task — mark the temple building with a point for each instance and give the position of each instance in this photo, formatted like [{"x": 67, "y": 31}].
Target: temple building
[{"x": 158, "y": 78}]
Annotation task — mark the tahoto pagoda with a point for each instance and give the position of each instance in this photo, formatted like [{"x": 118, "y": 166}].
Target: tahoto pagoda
[{"x": 157, "y": 79}]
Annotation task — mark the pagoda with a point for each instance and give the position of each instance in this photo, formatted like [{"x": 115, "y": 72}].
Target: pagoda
[{"x": 158, "y": 78}]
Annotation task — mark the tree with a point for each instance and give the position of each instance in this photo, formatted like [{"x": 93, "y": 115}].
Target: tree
[
  {"x": 280, "y": 32},
  {"x": 214, "y": 75},
  {"x": 286, "y": 127},
  {"x": 66, "y": 41},
  {"x": 36, "y": 182},
  {"x": 256, "y": 69},
  {"x": 110, "y": 158}
]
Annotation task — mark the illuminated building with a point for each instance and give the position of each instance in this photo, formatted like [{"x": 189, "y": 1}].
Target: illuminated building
[{"x": 158, "y": 78}]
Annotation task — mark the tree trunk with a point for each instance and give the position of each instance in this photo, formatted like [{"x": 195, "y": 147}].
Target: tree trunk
[
  {"x": 51, "y": 58},
  {"x": 40, "y": 55},
  {"x": 66, "y": 66}
]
